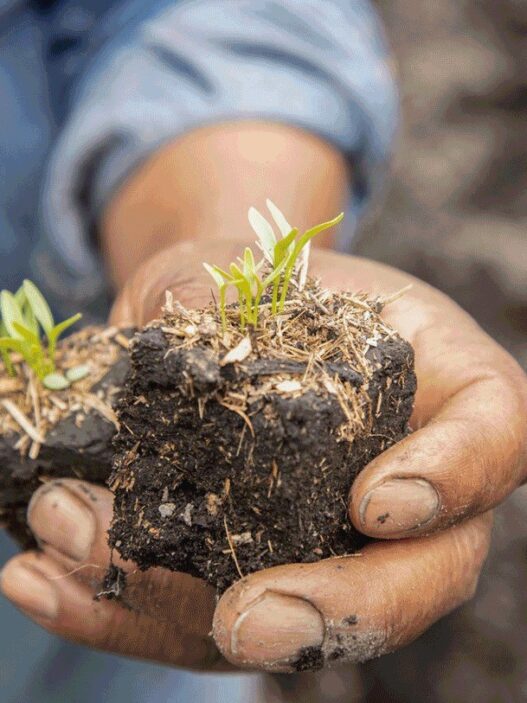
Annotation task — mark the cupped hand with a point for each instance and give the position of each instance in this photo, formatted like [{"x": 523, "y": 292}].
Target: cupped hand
[{"x": 467, "y": 453}]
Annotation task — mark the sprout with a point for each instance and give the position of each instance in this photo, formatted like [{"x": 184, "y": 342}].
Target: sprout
[
  {"x": 24, "y": 316},
  {"x": 285, "y": 256}
]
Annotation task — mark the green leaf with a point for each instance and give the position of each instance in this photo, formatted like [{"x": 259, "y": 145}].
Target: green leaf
[
  {"x": 275, "y": 273},
  {"x": 20, "y": 297},
  {"x": 218, "y": 278},
  {"x": 310, "y": 233},
  {"x": 58, "y": 330},
  {"x": 223, "y": 300},
  {"x": 12, "y": 343},
  {"x": 77, "y": 373},
  {"x": 249, "y": 265},
  {"x": 39, "y": 306},
  {"x": 3, "y": 352},
  {"x": 31, "y": 320},
  {"x": 63, "y": 326},
  {"x": 11, "y": 313},
  {"x": 282, "y": 247},
  {"x": 26, "y": 334},
  {"x": 299, "y": 245},
  {"x": 55, "y": 382},
  {"x": 240, "y": 281},
  {"x": 245, "y": 294},
  {"x": 236, "y": 273},
  {"x": 226, "y": 276},
  {"x": 264, "y": 232}
]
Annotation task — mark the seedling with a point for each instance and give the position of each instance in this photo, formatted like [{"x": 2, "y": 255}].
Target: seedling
[
  {"x": 283, "y": 256},
  {"x": 25, "y": 318}
]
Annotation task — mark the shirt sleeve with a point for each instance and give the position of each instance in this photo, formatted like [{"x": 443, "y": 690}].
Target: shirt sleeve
[{"x": 321, "y": 65}]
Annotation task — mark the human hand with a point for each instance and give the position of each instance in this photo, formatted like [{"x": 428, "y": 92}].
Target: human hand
[{"x": 467, "y": 456}]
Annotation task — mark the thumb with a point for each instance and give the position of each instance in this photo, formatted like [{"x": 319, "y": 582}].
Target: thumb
[
  {"x": 179, "y": 269},
  {"x": 350, "y": 609}
]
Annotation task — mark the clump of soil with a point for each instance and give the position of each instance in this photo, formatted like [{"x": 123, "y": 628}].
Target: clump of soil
[
  {"x": 237, "y": 449},
  {"x": 50, "y": 434}
]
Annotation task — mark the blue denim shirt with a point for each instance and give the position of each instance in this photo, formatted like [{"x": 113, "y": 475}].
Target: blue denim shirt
[{"x": 89, "y": 88}]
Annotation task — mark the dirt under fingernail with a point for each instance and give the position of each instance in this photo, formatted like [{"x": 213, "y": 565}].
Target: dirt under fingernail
[{"x": 399, "y": 505}]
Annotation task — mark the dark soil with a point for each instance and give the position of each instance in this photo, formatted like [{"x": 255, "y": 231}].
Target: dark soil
[
  {"x": 227, "y": 468},
  {"x": 78, "y": 439}
]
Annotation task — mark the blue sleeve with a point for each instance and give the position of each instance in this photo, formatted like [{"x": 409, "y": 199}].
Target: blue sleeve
[{"x": 318, "y": 64}]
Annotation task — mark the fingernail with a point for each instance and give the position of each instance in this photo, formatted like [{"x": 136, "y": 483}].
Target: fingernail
[
  {"x": 30, "y": 591},
  {"x": 60, "y": 519},
  {"x": 275, "y": 628},
  {"x": 399, "y": 505}
]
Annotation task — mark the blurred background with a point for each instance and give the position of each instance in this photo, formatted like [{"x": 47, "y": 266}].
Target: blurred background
[{"x": 454, "y": 214}]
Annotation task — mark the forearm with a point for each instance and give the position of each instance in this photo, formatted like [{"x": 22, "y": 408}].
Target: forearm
[{"x": 201, "y": 186}]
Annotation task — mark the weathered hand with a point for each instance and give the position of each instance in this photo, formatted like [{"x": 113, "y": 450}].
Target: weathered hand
[{"x": 467, "y": 455}]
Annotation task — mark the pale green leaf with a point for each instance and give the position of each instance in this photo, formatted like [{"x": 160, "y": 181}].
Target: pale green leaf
[
  {"x": 226, "y": 276},
  {"x": 218, "y": 278},
  {"x": 310, "y": 233},
  {"x": 20, "y": 297},
  {"x": 58, "y": 330},
  {"x": 11, "y": 313},
  {"x": 264, "y": 231},
  {"x": 3, "y": 352},
  {"x": 39, "y": 306},
  {"x": 30, "y": 319},
  {"x": 283, "y": 246},
  {"x": 27, "y": 334},
  {"x": 279, "y": 218},
  {"x": 275, "y": 273},
  {"x": 249, "y": 265}
]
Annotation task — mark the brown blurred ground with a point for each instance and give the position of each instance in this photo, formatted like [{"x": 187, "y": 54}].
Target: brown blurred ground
[
  {"x": 456, "y": 210},
  {"x": 455, "y": 214}
]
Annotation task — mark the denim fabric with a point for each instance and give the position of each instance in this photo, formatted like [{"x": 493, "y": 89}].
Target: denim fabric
[{"x": 89, "y": 88}]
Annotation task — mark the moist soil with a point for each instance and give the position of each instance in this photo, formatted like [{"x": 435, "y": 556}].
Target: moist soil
[
  {"x": 76, "y": 426},
  {"x": 237, "y": 450}
]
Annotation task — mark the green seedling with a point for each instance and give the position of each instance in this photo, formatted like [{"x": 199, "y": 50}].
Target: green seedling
[
  {"x": 25, "y": 319},
  {"x": 284, "y": 256}
]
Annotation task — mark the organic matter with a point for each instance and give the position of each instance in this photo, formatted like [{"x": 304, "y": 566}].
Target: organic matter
[
  {"x": 47, "y": 434},
  {"x": 237, "y": 448}
]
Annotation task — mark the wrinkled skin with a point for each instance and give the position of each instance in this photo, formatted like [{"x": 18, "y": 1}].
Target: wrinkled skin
[{"x": 433, "y": 492}]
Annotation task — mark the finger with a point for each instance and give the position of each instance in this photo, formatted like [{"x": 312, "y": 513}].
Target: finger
[
  {"x": 470, "y": 450},
  {"x": 46, "y": 592},
  {"x": 70, "y": 520},
  {"x": 178, "y": 269},
  {"x": 350, "y": 609}
]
